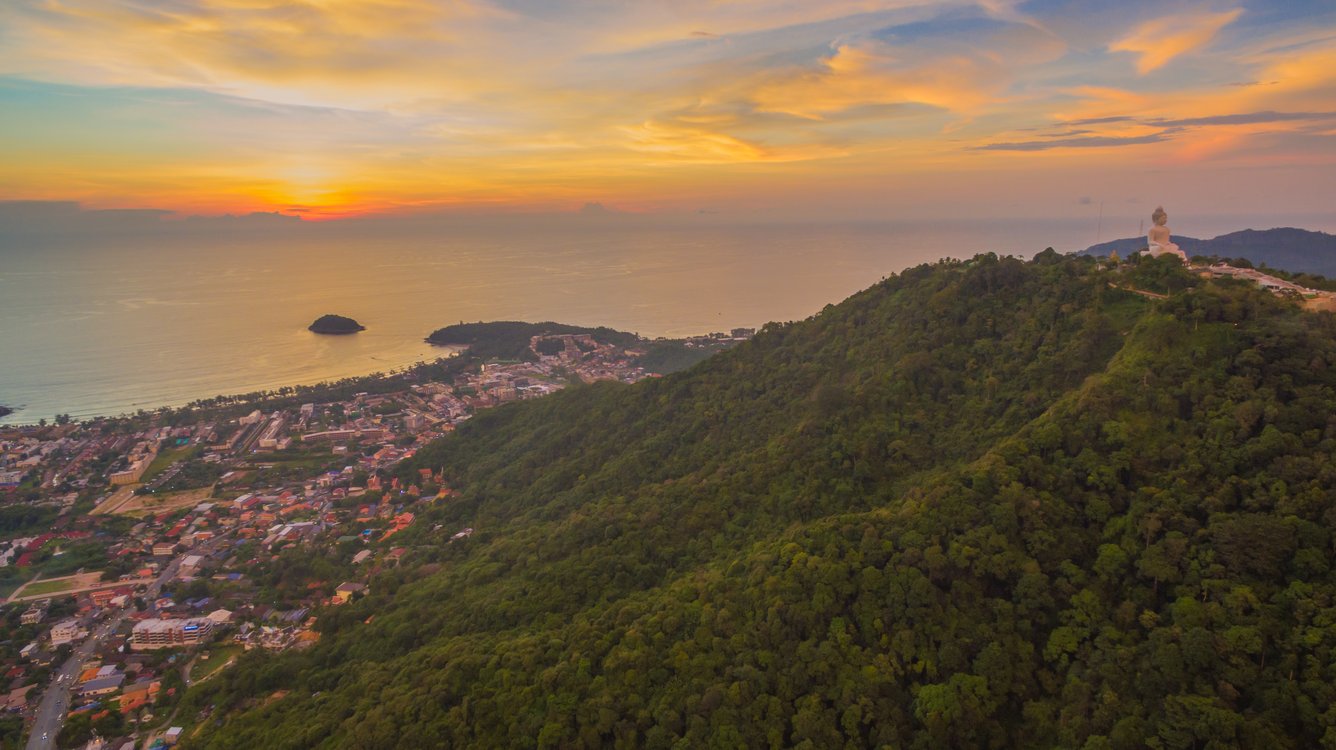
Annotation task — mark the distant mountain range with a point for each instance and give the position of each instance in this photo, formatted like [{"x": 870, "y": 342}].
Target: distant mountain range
[{"x": 1290, "y": 249}]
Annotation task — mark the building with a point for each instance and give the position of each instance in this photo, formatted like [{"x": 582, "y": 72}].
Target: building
[
  {"x": 131, "y": 473},
  {"x": 331, "y": 435},
  {"x": 270, "y": 438},
  {"x": 102, "y": 685},
  {"x": 35, "y": 613},
  {"x": 345, "y": 591},
  {"x": 139, "y": 694},
  {"x": 190, "y": 565},
  {"x": 65, "y": 631},
  {"x": 141, "y": 456},
  {"x": 154, "y": 633}
]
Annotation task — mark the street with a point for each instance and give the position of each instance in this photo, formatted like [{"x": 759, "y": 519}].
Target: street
[{"x": 50, "y": 715}]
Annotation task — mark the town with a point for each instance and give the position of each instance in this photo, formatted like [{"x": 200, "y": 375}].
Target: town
[{"x": 142, "y": 555}]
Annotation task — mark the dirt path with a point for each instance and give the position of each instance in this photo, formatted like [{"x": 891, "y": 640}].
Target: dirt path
[{"x": 1142, "y": 292}]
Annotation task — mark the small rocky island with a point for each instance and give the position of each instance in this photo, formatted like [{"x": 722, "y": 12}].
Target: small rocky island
[
  {"x": 5, "y": 410},
  {"x": 335, "y": 324}
]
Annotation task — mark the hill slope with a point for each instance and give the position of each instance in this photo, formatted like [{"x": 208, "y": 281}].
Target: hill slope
[
  {"x": 1295, "y": 250},
  {"x": 981, "y": 504}
]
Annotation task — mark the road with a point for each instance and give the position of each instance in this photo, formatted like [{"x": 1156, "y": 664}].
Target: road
[
  {"x": 55, "y": 701},
  {"x": 20, "y": 596}
]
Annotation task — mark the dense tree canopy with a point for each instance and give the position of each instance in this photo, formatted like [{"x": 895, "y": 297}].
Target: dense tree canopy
[
  {"x": 509, "y": 339},
  {"x": 981, "y": 504}
]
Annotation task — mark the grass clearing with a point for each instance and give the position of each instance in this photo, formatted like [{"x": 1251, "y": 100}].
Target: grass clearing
[
  {"x": 57, "y": 586},
  {"x": 46, "y": 588},
  {"x": 142, "y": 505},
  {"x": 219, "y": 656},
  {"x": 165, "y": 459}
]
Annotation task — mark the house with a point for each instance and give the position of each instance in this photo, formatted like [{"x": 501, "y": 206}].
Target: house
[
  {"x": 345, "y": 591},
  {"x": 102, "y": 685},
  {"x": 139, "y": 694}
]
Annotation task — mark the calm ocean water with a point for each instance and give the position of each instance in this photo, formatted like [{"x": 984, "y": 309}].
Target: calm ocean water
[{"x": 114, "y": 325}]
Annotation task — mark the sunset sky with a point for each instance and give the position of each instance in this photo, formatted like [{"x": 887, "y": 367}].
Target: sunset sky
[{"x": 844, "y": 109}]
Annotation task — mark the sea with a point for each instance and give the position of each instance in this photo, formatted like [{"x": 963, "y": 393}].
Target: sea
[{"x": 109, "y": 325}]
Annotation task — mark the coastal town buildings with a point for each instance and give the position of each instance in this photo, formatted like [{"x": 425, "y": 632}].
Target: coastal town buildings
[
  {"x": 164, "y": 546},
  {"x": 155, "y": 633}
]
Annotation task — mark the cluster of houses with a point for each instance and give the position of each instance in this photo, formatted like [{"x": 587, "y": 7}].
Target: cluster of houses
[
  {"x": 213, "y": 548},
  {"x": 22, "y": 454}
]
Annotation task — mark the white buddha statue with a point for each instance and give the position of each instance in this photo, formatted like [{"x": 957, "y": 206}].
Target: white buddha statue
[{"x": 1157, "y": 241}]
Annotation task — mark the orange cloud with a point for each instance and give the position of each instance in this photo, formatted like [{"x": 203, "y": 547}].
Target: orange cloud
[
  {"x": 1159, "y": 41},
  {"x": 854, "y": 77},
  {"x": 684, "y": 141}
]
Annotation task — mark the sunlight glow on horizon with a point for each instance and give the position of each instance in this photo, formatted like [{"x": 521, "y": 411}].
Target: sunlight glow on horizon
[{"x": 850, "y": 108}]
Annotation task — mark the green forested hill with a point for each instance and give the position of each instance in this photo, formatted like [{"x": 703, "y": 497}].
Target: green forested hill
[{"x": 981, "y": 504}]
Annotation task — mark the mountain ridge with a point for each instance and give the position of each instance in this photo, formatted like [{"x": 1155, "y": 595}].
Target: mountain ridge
[
  {"x": 974, "y": 505},
  {"x": 1288, "y": 248}
]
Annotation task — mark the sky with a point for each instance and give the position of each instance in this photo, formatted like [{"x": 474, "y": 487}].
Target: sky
[{"x": 837, "y": 110}]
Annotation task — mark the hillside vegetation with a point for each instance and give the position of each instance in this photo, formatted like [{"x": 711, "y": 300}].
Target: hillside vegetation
[
  {"x": 981, "y": 504},
  {"x": 509, "y": 339}
]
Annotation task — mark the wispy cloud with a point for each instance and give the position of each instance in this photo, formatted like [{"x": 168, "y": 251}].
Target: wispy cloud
[
  {"x": 1083, "y": 142},
  {"x": 1161, "y": 40},
  {"x": 1247, "y": 118}
]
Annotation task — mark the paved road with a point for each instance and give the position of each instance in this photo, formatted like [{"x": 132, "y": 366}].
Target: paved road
[{"x": 55, "y": 701}]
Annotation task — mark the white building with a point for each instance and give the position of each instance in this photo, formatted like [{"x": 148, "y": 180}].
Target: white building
[
  {"x": 153, "y": 634},
  {"x": 65, "y": 631}
]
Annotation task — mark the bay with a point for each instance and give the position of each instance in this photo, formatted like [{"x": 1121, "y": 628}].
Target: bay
[{"x": 108, "y": 325}]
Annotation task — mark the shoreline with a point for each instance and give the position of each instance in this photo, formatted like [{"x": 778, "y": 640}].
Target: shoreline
[{"x": 238, "y": 399}]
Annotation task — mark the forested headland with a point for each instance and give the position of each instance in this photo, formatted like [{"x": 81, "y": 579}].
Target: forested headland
[
  {"x": 983, "y": 503},
  {"x": 509, "y": 339}
]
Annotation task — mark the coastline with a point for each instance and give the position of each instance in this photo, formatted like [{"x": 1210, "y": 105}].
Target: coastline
[{"x": 241, "y": 398}]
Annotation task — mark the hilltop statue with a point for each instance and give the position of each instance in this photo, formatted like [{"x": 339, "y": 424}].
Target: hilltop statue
[{"x": 1158, "y": 239}]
